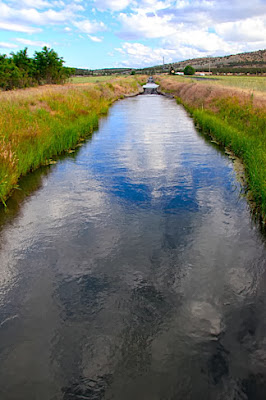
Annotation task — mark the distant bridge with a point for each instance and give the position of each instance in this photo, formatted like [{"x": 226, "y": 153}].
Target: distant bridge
[{"x": 150, "y": 87}]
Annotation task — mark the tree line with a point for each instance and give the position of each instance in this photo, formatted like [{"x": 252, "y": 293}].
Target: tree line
[{"x": 20, "y": 71}]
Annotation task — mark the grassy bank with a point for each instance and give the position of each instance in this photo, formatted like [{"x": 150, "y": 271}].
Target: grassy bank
[
  {"x": 39, "y": 123},
  {"x": 237, "y": 120}
]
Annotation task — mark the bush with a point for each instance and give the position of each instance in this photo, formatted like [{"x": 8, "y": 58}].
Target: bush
[{"x": 189, "y": 70}]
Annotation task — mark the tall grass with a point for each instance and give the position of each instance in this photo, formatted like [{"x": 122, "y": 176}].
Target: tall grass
[
  {"x": 236, "y": 121},
  {"x": 39, "y": 123}
]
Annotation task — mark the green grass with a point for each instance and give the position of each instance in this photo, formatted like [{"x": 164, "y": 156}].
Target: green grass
[
  {"x": 251, "y": 83},
  {"x": 90, "y": 79}
]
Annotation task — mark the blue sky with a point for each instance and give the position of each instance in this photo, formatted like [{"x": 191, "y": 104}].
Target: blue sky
[{"x": 135, "y": 33}]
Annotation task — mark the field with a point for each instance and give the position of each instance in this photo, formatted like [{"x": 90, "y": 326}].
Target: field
[
  {"x": 250, "y": 83},
  {"x": 39, "y": 123},
  {"x": 91, "y": 79},
  {"x": 233, "y": 116}
]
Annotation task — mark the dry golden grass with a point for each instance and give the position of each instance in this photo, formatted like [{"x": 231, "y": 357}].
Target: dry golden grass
[{"x": 203, "y": 94}]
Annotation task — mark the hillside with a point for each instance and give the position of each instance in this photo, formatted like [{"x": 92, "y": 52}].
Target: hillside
[
  {"x": 253, "y": 62},
  {"x": 244, "y": 60}
]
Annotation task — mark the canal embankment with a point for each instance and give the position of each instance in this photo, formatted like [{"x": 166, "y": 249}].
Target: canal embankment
[
  {"x": 234, "y": 118},
  {"x": 39, "y": 123}
]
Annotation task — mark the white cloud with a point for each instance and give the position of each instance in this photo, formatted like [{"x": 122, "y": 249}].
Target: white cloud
[
  {"x": 26, "y": 17},
  {"x": 89, "y": 27},
  {"x": 28, "y": 42},
  {"x": 35, "y": 3},
  {"x": 135, "y": 26},
  {"x": 249, "y": 30},
  {"x": 113, "y": 5},
  {"x": 200, "y": 41},
  {"x": 139, "y": 55},
  {"x": 58, "y": 3},
  {"x": 95, "y": 38},
  {"x": 18, "y": 28},
  {"x": 6, "y": 45}
]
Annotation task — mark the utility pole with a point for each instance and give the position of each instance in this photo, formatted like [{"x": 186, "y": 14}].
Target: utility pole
[{"x": 209, "y": 64}]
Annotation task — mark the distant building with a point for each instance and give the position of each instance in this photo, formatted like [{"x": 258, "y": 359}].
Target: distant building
[
  {"x": 201, "y": 73},
  {"x": 179, "y": 73}
]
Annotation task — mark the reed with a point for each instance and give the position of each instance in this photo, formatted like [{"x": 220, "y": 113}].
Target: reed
[
  {"x": 237, "y": 120},
  {"x": 39, "y": 123}
]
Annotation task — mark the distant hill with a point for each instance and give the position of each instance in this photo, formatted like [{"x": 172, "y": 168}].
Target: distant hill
[{"x": 244, "y": 60}]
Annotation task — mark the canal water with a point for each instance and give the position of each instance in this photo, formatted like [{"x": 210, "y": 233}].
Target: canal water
[{"x": 133, "y": 271}]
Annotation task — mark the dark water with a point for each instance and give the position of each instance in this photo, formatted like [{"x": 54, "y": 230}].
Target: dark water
[{"x": 134, "y": 271}]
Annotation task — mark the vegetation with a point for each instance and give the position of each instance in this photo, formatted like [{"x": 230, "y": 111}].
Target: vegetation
[
  {"x": 20, "y": 71},
  {"x": 90, "y": 79},
  {"x": 101, "y": 72},
  {"x": 39, "y": 123},
  {"x": 249, "y": 83},
  {"x": 188, "y": 70},
  {"x": 236, "y": 120}
]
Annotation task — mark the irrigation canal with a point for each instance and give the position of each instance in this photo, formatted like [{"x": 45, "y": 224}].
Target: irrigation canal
[{"x": 134, "y": 270}]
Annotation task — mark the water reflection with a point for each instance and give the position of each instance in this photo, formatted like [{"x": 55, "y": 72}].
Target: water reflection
[{"x": 135, "y": 272}]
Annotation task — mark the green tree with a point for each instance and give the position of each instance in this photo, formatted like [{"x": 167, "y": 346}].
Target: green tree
[
  {"x": 189, "y": 70},
  {"x": 19, "y": 70},
  {"x": 49, "y": 66},
  {"x": 25, "y": 64},
  {"x": 10, "y": 75}
]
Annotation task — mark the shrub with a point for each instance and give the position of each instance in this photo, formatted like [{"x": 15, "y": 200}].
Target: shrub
[{"x": 189, "y": 70}]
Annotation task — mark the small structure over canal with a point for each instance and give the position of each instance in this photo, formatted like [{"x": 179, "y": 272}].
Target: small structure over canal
[{"x": 150, "y": 87}]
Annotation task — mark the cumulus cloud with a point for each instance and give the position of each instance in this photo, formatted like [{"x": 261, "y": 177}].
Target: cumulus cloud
[
  {"x": 202, "y": 42},
  {"x": 249, "y": 30},
  {"x": 87, "y": 26},
  {"x": 136, "y": 26},
  {"x": 22, "y": 19},
  {"x": 215, "y": 11},
  {"x": 137, "y": 54}
]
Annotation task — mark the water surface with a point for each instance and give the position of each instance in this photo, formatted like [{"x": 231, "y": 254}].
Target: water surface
[{"x": 134, "y": 271}]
